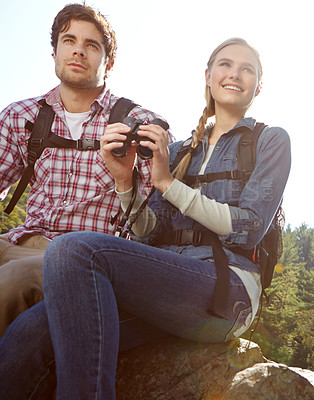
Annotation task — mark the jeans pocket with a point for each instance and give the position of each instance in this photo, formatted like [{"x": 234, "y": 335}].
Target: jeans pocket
[{"x": 242, "y": 321}]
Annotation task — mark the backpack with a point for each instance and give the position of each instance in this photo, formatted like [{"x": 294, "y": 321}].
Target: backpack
[
  {"x": 269, "y": 249},
  {"x": 42, "y": 137}
]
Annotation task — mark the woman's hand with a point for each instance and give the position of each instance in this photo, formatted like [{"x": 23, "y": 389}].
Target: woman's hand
[
  {"x": 160, "y": 172},
  {"x": 121, "y": 168}
]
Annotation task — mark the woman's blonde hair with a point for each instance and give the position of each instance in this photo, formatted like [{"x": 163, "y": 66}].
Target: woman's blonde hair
[{"x": 209, "y": 110}]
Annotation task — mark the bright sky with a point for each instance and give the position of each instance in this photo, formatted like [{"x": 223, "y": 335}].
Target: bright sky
[{"x": 163, "y": 48}]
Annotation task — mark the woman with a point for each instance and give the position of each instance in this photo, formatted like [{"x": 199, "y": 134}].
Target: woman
[{"x": 170, "y": 284}]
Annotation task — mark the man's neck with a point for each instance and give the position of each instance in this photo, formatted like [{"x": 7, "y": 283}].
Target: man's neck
[{"x": 78, "y": 100}]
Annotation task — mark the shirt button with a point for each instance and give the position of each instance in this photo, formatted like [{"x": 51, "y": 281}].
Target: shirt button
[
  {"x": 256, "y": 223},
  {"x": 208, "y": 165},
  {"x": 204, "y": 184},
  {"x": 64, "y": 201},
  {"x": 70, "y": 174},
  {"x": 217, "y": 148}
]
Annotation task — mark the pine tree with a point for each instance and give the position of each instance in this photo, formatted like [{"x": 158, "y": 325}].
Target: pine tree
[{"x": 285, "y": 331}]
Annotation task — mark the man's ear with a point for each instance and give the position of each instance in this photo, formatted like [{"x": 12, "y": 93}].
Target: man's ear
[
  {"x": 109, "y": 65},
  {"x": 53, "y": 53}
]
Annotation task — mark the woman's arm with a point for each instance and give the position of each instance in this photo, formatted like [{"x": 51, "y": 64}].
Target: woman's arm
[{"x": 199, "y": 207}]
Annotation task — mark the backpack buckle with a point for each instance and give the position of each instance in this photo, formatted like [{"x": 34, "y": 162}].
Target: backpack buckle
[
  {"x": 87, "y": 144},
  {"x": 37, "y": 142},
  {"x": 188, "y": 237}
]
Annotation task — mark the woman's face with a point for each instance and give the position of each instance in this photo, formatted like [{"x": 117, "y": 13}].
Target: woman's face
[{"x": 233, "y": 78}]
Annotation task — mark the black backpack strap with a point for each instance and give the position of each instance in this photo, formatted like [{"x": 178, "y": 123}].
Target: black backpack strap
[
  {"x": 41, "y": 130},
  {"x": 55, "y": 141},
  {"x": 246, "y": 152},
  {"x": 120, "y": 110}
]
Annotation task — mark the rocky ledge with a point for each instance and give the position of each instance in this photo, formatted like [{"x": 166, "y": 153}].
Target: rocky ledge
[{"x": 176, "y": 369}]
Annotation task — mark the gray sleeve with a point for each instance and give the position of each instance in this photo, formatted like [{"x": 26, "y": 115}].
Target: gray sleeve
[{"x": 213, "y": 215}]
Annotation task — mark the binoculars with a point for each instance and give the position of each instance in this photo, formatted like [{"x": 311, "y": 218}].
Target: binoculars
[{"x": 144, "y": 152}]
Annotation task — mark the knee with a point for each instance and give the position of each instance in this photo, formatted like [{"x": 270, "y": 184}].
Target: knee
[
  {"x": 57, "y": 256},
  {"x": 66, "y": 255}
]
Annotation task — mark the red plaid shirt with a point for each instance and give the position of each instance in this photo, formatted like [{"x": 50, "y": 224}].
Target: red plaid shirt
[{"x": 71, "y": 190}]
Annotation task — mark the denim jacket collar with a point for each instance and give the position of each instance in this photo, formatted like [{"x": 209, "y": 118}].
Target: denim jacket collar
[{"x": 244, "y": 123}]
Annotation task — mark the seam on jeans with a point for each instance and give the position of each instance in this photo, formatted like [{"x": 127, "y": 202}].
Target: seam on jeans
[
  {"x": 163, "y": 262},
  {"x": 99, "y": 327}
]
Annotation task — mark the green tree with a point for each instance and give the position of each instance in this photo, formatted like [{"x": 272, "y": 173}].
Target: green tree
[
  {"x": 17, "y": 216},
  {"x": 304, "y": 240},
  {"x": 285, "y": 330}
]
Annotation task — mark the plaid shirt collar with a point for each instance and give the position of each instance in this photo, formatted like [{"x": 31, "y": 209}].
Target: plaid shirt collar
[{"x": 102, "y": 102}]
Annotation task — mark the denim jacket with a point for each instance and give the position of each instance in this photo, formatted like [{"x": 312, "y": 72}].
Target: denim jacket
[{"x": 252, "y": 209}]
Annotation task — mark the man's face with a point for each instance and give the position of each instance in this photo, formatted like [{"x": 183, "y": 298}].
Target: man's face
[{"x": 80, "y": 57}]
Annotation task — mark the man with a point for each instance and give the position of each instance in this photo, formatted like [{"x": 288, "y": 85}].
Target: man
[{"x": 71, "y": 190}]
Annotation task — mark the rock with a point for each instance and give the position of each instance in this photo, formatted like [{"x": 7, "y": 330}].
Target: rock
[
  {"x": 176, "y": 369},
  {"x": 270, "y": 381}
]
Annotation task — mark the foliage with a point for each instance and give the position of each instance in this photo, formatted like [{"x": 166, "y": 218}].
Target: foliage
[
  {"x": 286, "y": 327},
  {"x": 17, "y": 216},
  {"x": 285, "y": 331}
]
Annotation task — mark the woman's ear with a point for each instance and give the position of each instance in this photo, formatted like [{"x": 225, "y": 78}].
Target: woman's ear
[
  {"x": 259, "y": 88},
  {"x": 207, "y": 77}
]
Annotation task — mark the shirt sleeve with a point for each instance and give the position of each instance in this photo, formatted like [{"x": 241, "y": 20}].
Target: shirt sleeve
[
  {"x": 210, "y": 213},
  {"x": 146, "y": 221},
  {"x": 11, "y": 162}
]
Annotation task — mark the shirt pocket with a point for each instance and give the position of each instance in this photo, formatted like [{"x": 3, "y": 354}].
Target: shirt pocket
[
  {"x": 229, "y": 161},
  {"x": 224, "y": 190}
]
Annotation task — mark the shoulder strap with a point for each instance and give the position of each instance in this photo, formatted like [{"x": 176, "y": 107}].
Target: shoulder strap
[
  {"x": 41, "y": 137},
  {"x": 40, "y": 131},
  {"x": 246, "y": 152},
  {"x": 120, "y": 110},
  {"x": 182, "y": 152},
  {"x": 246, "y": 156}
]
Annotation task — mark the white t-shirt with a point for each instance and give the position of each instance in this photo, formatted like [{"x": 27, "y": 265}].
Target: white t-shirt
[{"x": 75, "y": 123}]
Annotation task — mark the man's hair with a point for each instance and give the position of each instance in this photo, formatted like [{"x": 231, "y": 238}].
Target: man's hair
[{"x": 82, "y": 12}]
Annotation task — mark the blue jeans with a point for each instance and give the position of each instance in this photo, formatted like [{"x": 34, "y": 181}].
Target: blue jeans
[{"x": 87, "y": 277}]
